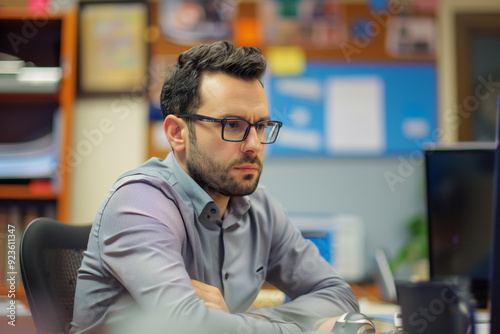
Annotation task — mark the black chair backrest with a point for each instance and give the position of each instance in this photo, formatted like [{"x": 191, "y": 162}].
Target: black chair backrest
[{"x": 50, "y": 254}]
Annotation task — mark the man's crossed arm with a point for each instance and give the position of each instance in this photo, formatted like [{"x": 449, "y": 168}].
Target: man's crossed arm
[{"x": 213, "y": 298}]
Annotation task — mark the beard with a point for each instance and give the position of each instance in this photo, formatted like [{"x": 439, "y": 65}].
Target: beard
[{"x": 215, "y": 177}]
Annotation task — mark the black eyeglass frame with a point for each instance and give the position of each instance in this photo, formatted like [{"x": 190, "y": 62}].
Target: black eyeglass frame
[{"x": 223, "y": 121}]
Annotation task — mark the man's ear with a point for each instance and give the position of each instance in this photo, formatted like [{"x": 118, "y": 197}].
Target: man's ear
[{"x": 176, "y": 131}]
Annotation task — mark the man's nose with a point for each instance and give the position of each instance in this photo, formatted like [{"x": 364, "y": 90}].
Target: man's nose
[{"x": 252, "y": 142}]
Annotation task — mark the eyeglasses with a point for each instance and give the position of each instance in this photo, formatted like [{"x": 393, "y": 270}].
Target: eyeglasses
[{"x": 236, "y": 129}]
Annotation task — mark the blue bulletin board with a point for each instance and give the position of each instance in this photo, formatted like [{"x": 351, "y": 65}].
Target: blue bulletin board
[{"x": 371, "y": 109}]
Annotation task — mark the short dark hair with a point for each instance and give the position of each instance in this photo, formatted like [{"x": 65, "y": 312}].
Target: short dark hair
[{"x": 180, "y": 92}]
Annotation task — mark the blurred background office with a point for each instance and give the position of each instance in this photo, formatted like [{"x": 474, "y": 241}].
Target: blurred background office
[{"x": 360, "y": 86}]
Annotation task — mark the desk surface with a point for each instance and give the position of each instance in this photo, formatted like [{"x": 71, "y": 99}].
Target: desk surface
[
  {"x": 383, "y": 326},
  {"x": 379, "y": 310}
]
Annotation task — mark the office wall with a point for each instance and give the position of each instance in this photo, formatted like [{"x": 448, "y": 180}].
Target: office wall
[
  {"x": 109, "y": 137},
  {"x": 357, "y": 187}
]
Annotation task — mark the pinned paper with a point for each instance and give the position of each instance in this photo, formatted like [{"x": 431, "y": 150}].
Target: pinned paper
[
  {"x": 426, "y": 6},
  {"x": 246, "y": 31},
  {"x": 355, "y": 119},
  {"x": 37, "y": 6},
  {"x": 286, "y": 60},
  {"x": 378, "y": 4}
]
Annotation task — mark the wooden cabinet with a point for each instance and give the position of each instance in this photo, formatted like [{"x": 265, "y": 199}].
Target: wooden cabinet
[{"x": 35, "y": 118}]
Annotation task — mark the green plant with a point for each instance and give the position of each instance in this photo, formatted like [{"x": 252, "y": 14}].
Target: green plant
[{"x": 416, "y": 248}]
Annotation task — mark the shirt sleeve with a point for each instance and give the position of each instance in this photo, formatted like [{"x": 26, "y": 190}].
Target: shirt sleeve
[
  {"x": 140, "y": 242},
  {"x": 297, "y": 268}
]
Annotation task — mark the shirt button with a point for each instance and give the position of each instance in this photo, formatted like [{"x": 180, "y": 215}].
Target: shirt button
[{"x": 226, "y": 276}]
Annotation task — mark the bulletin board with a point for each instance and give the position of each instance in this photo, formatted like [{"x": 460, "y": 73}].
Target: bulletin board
[
  {"x": 396, "y": 65},
  {"x": 357, "y": 109}
]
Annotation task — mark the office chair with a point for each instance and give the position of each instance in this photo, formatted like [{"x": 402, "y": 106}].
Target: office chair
[{"x": 50, "y": 254}]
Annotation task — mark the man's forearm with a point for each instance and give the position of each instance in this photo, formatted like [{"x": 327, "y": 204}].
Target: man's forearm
[{"x": 314, "y": 310}]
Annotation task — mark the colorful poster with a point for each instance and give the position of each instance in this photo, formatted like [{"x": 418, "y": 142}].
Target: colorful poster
[{"x": 194, "y": 21}]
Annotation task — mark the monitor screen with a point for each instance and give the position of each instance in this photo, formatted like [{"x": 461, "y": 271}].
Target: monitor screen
[{"x": 459, "y": 192}]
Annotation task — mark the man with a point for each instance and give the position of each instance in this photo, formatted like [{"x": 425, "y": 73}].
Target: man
[{"x": 192, "y": 238}]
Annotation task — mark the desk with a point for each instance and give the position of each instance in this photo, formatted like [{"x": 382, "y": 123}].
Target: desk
[
  {"x": 377, "y": 309},
  {"x": 383, "y": 326}
]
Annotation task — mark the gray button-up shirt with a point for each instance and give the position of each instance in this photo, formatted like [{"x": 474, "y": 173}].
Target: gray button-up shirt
[{"x": 157, "y": 229}]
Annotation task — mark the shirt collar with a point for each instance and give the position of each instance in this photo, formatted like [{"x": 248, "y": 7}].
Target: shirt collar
[
  {"x": 238, "y": 206},
  {"x": 206, "y": 210}
]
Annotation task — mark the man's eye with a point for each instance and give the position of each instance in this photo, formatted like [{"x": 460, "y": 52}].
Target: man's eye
[
  {"x": 261, "y": 126},
  {"x": 233, "y": 124}
]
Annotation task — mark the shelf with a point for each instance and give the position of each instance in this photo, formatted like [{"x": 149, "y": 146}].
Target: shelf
[
  {"x": 29, "y": 97},
  {"x": 37, "y": 191},
  {"x": 40, "y": 96},
  {"x": 16, "y": 13},
  {"x": 33, "y": 100},
  {"x": 36, "y": 80}
]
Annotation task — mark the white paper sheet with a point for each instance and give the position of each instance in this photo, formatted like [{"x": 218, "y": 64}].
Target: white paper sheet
[{"x": 355, "y": 114}]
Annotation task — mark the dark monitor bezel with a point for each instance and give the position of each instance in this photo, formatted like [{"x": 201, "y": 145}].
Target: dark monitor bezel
[{"x": 495, "y": 241}]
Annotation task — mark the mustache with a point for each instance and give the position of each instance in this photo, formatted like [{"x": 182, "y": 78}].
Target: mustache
[{"x": 249, "y": 159}]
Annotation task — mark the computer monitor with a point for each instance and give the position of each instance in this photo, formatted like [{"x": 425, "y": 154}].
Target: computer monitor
[
  {"x": 459, "y": 189},
  {"x": 495, "y": 249}
]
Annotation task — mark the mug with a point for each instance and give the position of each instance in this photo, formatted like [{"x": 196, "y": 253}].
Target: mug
[{"x": 435, "y": 307}]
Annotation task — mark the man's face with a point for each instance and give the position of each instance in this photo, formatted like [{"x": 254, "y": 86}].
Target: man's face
[{"x": 222, "y": 167}]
